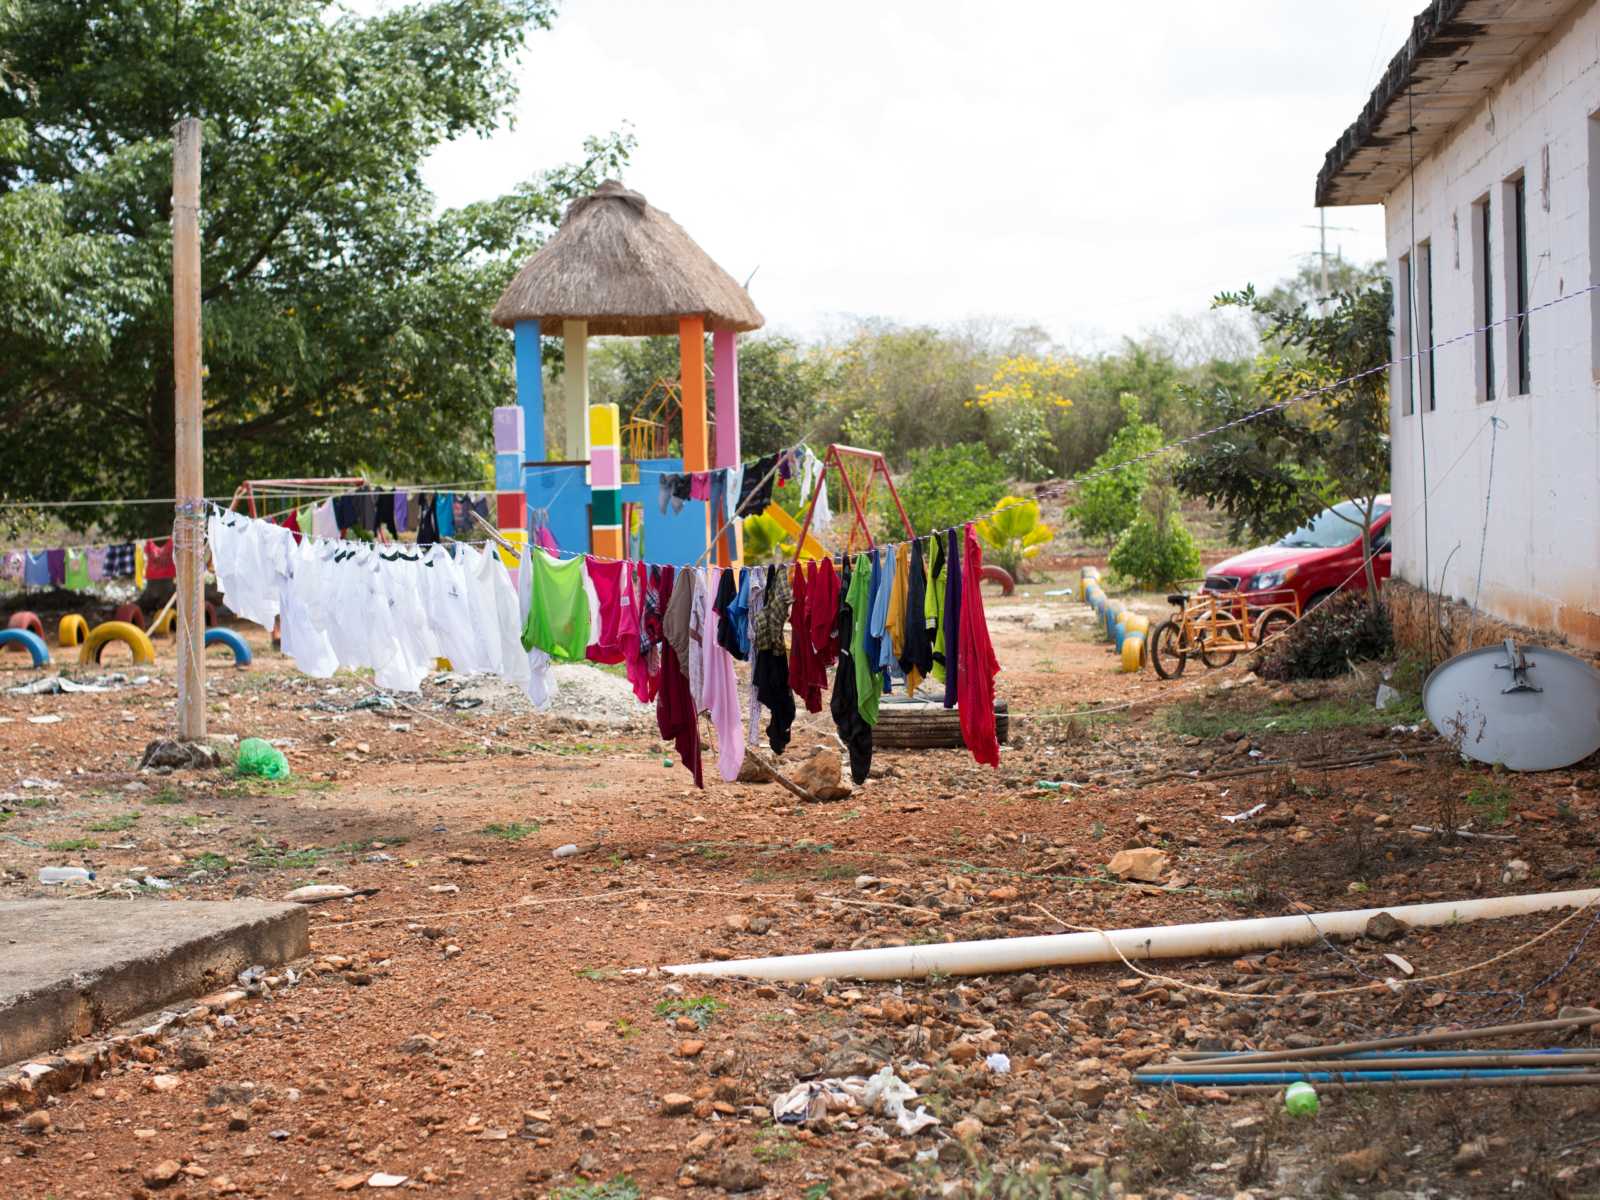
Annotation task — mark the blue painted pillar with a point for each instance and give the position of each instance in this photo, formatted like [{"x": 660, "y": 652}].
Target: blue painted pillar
[{"x": 530, "y": 389}]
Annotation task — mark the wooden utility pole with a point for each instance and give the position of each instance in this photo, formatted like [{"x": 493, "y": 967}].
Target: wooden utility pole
[{"x": 188, "y": 525}]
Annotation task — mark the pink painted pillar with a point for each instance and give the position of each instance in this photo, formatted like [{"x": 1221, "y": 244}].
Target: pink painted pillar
[{"x": 725, "y": 386}]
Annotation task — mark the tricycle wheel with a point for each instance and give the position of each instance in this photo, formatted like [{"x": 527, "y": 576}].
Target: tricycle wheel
[{"x": 1166, "y": 650}]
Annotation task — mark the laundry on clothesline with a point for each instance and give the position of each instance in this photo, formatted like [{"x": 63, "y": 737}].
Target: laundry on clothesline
[
  {"x": 735, "y": 492},
  {"x": 891, "y": 617},
  {"x": 79, "y": 567}
]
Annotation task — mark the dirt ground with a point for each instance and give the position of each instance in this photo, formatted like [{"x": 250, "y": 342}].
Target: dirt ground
[{"x": 474, "y": 1026}]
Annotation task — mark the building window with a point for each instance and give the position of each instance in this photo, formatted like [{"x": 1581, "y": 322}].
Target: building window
[
  {"x": 1402, "y": 335},
  {"x": 1516, "y": 274},
  {"x": 1425, "y": 324},
  {"x": 1482, "y": 300}
]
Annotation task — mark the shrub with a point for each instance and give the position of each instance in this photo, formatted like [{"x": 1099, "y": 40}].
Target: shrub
[
  {"x": 1344, "y": 629},
  {"x": 949, "y": 485},
  {"x": 1107, "y": 504},
  {"x": 1014, "y": 534},
  {"x": 1155, "y": 552}
]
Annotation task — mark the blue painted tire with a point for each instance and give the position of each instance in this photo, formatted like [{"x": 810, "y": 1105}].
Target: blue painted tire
[
  {"x": 29, "y": 641},
  {"x": 230, "y": 639}
]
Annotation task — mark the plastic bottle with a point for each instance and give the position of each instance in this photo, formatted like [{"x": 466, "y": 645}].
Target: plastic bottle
[
  {"x": 1301, "y": 1100},
  {"x": 55, "y": 875}
]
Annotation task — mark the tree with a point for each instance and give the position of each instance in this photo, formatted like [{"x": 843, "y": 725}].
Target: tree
[
  {"x": 1273, "y": 472},
  {"x": 1156, "y": 551},
  {"x": 1108, "y": 496},
  {"x": 1019, "y": 399},
  {"x": 345, "y": 320},
  {"x": 948, "y": 486}
]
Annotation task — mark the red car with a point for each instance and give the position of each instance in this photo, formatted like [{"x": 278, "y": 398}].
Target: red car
[{"x": 1321, "y": 557}]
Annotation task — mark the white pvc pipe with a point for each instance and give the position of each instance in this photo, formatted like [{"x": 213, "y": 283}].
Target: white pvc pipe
[{"x": 1205, "y": 939}]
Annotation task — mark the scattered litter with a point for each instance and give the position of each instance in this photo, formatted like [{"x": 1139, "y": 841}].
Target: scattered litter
[
  {"x": 1401, "y": 965},
  {"x": 46, "y": 719},
  {"x": 462, "y": 703},
  {"x": 54, "y": 685},
  {"x": 884, "y": 1093},
  {"x": 566, "y": 851},
  {"x": 1058, "y": 591},
  {"x": 1256, "y": 754},
  {"x": 251, "y": 975},
  {"x": 887, "y": 1093},
  {"x": 380, "y": 1180},
  {"x": 1235, "y": 818},
  {"x": 58, "y": 875},
  {"x": 1000, "y": 1064},
  {"x": 160, "y": 885},
  {"x": 1301, "y": 1100},
  {"x": 1467, "y": 833},
  {"x": 400, "y": 727},
  {"x": 1405, "y": 728},
  {"x": 1386, "y": 696},
  {"x": 257, "y": 757},
  {"x": 48, "y": 785},
  {"x": 380, "y": 701},
  {"x": 317, "y": 893}
]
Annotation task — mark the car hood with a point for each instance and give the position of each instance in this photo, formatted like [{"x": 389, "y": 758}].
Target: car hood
[{"x": 1266, "y": 558}]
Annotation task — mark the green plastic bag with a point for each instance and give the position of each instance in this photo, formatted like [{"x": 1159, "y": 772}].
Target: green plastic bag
[{"x": 257, "y": 757}]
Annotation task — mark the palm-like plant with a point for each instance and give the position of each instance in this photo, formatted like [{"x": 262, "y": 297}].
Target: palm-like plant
[{"x": 1013, "y": 533}]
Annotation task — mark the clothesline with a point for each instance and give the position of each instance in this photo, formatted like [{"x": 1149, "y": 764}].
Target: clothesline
[{"x": 678, "y": 630}]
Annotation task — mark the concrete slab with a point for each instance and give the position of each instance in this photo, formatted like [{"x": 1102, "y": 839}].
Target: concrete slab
[{"x": 70, "y": 967}]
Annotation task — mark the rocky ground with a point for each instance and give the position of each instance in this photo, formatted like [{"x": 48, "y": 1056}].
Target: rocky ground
[{"x": 478, "y": 1024}]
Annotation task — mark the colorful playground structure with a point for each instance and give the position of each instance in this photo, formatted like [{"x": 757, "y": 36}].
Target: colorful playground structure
[{"x": 620, "y": 267}]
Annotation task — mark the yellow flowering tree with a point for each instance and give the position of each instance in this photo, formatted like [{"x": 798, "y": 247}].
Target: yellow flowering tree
[{"x": 1019, "y": 399}]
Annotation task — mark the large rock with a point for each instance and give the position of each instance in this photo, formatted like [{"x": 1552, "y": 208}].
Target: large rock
[
  {"x": 1145, "y": 864},
  {"x": 821, "y": 774}
]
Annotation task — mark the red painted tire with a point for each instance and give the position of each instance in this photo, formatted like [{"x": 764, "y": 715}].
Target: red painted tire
[
  {"x": 27, "y": 620},
  {"x": 131, "y": 614},
  {"x": 994, "y": 574}
]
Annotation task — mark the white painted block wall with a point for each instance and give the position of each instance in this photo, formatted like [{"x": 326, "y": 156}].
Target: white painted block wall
[{"x": 1541, "y": 549}]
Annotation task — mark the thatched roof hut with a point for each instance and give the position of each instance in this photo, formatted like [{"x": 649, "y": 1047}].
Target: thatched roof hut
[{"x": 625, "y": 268}]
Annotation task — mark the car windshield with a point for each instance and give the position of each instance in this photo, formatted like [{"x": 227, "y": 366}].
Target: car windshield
[{"x": 1336, "y": 526}]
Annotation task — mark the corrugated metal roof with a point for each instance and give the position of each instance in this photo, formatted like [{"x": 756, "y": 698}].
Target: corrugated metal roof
[{"x": 1457, "y": 52}]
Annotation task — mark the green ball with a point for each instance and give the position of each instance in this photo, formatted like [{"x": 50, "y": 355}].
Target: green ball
[{"x": 1301, "y": 1100}]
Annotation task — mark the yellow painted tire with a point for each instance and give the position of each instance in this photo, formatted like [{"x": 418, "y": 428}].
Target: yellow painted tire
[
  {"x": 442, "y": 664},
  {"x": 72, "y": 630},
  {"x": 165, "y": 623},
  {"x": 116, "y": 631},
  {"x": 1134, "y": 623},
  {"x": 1133, "y": 652}
]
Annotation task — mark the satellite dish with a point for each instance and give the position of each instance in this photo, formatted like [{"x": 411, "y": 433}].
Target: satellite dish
[{"x": 1527, "y": 708}]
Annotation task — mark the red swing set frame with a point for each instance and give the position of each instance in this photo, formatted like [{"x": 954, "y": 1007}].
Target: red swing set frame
[{"x": 835, "y": 457}]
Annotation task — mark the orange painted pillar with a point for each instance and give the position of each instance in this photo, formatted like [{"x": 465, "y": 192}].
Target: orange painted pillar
[{"x": 692, "y": 363}]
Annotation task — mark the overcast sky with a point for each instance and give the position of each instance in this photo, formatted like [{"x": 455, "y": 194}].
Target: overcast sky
[{"x": 1091, "y": 168}]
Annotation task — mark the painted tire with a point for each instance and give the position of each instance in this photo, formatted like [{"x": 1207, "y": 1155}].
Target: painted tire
[
  {"x": 129, "y": 614},
  {"x": 29, "y": 641},
  {"x": 230, "y": 639},
  {"x": 29, "y": 621},
  {"x": 1132, "y": 652},
  {"x": 993, "y": 574},
  {"x": 165, "y": 623},
  {"x": 72, "y": 630},
  {"x": 1088, "y": 572},
  {"x": 116, "y": 631}
]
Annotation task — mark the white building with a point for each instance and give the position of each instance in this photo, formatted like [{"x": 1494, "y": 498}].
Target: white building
[{"x": 1482, "y": 142}]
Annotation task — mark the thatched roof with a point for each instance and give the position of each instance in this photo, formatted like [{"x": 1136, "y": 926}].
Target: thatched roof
[{"x": 626, "y": 268}]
